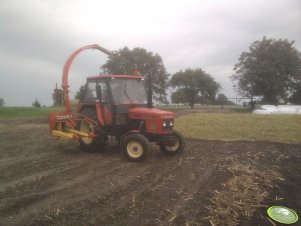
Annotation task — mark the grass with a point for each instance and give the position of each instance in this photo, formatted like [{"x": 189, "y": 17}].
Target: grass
[
  {"x": 211, "y": 126},
  {"x": 215, "y": 126},
  {"x": 176, "y": 108},
  {"x": 22, "y": 112}
]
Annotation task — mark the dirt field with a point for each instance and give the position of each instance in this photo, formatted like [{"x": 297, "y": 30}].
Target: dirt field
[{"x": 44, "y": 181}]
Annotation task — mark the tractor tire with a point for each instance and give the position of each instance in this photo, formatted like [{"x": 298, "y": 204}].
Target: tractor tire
[
  {"x": 176, "y": 147},
  {"x": 135, "y": 147},
  {"x": 97, "y": 143}
]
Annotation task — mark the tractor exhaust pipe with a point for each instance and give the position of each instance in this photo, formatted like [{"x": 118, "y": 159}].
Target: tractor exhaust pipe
[{"x": 149, "y": 93}]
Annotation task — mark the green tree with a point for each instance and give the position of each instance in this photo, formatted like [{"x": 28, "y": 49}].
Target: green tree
[
  {"x": 58, "y": 96},
  {"x": 1, "y": 102},
  {"x": 178, "y": 97},
  {"x": 80, "y": 94},
  {"x": 36, "y": 104},
  {"x": 296, "y": 97},
  {"x": 195, "y": 85},
  {"x": 126, "y": 61},
  {"x": 221, "y": 99},
  {"x": 271, "y": 69}
]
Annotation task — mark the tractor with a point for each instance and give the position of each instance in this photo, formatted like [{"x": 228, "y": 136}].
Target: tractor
[{"x": 115, "y": 106}]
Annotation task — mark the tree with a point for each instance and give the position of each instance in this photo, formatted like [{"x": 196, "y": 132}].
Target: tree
[
  {"x": 80, "y": 94},
  {"x": 2, "y": 102},
  {"x": 271, "y": 69},
  {"x": 195, "y": 85},
  {"x": 296, "y": 97},
  {"x": 178, "y": 97},
  {"x": 126, "y": 61},
  {"x": 221, "y": 99},
  {"x": 36, "y": 104},
  {"x": 58, "y": 96}
]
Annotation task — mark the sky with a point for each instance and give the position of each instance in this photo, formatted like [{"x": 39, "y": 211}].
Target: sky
[{"x": 37, "y": 37}]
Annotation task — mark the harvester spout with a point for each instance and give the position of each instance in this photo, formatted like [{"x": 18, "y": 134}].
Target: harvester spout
[{"x": 67, "y": 67}]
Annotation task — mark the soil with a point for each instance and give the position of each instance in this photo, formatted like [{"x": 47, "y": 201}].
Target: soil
[{"x": 44, "y": 181}]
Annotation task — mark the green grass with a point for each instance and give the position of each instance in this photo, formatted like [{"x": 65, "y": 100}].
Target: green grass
[
  {"x": 22, "y": 112},
  {"x": 175, "y": 108},
  {"x": 215, "y": 126},
  {"x": 212, "y": 126}
]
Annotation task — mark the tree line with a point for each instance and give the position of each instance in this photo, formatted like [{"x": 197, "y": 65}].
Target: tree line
[{"x": 270, "y": 70}]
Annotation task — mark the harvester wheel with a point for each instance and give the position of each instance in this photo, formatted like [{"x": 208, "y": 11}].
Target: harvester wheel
[
  {"x": 91, "y": 144},
  {"x": 175, "y": 146},
  {"x": 135, "y": 147}
]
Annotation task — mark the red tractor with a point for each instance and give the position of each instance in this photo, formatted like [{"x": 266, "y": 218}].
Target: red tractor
[{"x": 116, "y": 106}]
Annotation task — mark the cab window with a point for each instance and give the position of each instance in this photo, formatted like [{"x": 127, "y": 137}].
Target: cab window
[
  {"x": 90, "y": 94},
  {"x": 92, "y": 88}
]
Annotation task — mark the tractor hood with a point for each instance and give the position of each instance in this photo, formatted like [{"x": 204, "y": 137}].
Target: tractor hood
[{"x": 146, "y": 113}]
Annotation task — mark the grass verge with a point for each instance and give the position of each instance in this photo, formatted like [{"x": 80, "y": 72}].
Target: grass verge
[
  {"x": 234, "y": 108},
  {"x": 22, "y": 112},
  {"x": 215, "y": 126}
]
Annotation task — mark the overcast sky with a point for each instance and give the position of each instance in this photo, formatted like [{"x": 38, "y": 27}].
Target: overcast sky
[{"x": 36, "y": 37}]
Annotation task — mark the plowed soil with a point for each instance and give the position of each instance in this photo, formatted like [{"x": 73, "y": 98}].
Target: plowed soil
[{"x": 44, "y": 181}]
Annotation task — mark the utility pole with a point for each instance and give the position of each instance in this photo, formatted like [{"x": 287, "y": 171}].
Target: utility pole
[
  {"x": 235, "y": 88},
  {"x": 236, "y": 97}
]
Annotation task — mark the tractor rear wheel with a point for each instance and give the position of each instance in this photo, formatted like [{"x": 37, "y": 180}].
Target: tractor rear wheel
[
  {"x": 175, "y": 144},
  {"x": 99, "y": 141},
  {"x": 135, "y": 147}
]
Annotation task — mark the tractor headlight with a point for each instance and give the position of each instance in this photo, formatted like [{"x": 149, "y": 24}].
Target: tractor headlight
[{"x": 167, "y": 124}]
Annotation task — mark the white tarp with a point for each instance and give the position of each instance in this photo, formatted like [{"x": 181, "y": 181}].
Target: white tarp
[{"x": 280, "y": 109}]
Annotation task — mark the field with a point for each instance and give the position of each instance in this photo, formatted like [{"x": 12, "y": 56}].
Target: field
[
  {"x": 218, "y": 180},
  {"x": 26, "y": 112},
  {"x": 218, "y": 126}
]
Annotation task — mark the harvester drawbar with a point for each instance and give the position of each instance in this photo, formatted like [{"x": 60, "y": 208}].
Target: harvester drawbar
[{"x": 115, "y": 105}]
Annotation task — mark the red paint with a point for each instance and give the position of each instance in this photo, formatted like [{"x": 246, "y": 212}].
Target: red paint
[
  {"x": 149, "y": 112},
  {"x": 99, "y": 114},
  {"x": 61, "y": 117},
  {"x": 153, "y": 118},
  {"x": 108, "y": 116}
]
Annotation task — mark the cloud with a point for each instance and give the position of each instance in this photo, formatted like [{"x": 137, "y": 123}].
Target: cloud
[{"x": 38, "y": 36}]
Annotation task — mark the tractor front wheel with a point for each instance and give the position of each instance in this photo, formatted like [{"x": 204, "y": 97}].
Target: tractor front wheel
[
  {"x": 135, "y": 147},
  {"x": 173, "y": 145}
]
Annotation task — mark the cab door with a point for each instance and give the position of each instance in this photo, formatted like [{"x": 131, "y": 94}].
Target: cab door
[{"x": 103, "y": 102}]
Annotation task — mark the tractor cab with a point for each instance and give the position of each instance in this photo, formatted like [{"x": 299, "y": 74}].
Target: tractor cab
[
  {"x": 116, "y": 106},
  {"x": 128, "y": 90},
  {"x": 113, "y": 96},
  {"x": 115, "y": 89}
]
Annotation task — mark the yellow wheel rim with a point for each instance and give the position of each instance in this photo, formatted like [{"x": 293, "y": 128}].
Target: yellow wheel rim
[
  {"x": 86, "y": 128},
  {"x": 134, "y": 149},
  {"x": 175, "y": 146}
]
